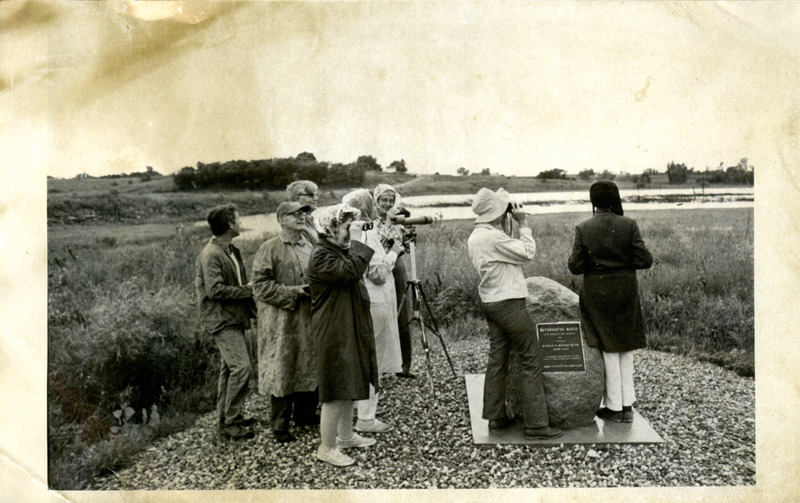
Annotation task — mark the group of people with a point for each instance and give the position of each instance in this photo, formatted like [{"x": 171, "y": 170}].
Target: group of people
[
  {"x": 607, "y": 250},
  {"x": 326, "y": 294}
]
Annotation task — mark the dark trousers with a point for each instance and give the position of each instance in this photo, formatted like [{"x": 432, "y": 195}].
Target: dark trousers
[
  {"x": 403, "y": 314},
  {"x": 234, "y": 374},
  {"x": 301, "y": 407},
  {"x": 511, "y": 327}
]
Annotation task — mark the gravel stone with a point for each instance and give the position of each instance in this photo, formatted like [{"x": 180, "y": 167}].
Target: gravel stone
[{"x": 704, "y": 413}]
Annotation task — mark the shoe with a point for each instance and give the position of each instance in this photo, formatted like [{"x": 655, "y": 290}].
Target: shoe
[
  {"x": 233, "y": 432},
  {"x": 543, "y": 433},
  {"x": 406, "y": 374},
  {"x": 335, "y": 457},
  {"x": 373, "y": 426},
  {"x": 497, "y": 425},
  {"x": 312, "y": 421},
  {"x": 283, "y": 437},
  {"x": 607, "y": 414},
  {"x": 240, "y": 421},
  {"x": 355, "y": 441},
  {"x": 627, "y": 414}
]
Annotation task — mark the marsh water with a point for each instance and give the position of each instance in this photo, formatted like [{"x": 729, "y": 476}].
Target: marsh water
[{"x": 457, "y": 206}]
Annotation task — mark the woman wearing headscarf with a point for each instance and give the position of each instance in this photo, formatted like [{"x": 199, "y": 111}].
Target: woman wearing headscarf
[
  {"x": 608, "y": 249},
  {"x": 387, "y": 205},
  {"x": 286, "y": 355},
  {"x": 383, "y": 308},
  {"x": 341, "y": 326}
]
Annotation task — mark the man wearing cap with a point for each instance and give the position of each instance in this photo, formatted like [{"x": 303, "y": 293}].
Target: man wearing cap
[
  {"x": 225, "y": 306},
  {"x": 499, "y": 258},
  {"x": 286, "y": 357}
]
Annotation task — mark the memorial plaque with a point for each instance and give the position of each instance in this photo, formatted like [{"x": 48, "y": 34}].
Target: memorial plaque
[{"x": 561, "y": 346}]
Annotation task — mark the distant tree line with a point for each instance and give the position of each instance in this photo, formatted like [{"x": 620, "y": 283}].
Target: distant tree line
[
  {"x": 276, "y": 174},
  {"x": 677, "y": 174},
  {"x": 741, "y": 174},
  {"x": 145, "y": 176}
]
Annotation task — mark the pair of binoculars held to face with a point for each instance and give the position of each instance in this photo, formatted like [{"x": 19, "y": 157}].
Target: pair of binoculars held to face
[{"x": 513, "y": 206}]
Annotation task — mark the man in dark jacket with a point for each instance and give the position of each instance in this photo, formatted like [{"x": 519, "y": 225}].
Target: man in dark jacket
[{"x": 225, "y": 302}]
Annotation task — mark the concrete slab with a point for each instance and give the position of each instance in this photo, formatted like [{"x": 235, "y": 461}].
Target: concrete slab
[{"x": 599, "y": 432}]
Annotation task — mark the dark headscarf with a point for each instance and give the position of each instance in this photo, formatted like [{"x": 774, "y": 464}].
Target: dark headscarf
[{"x": 604, "y": 194}]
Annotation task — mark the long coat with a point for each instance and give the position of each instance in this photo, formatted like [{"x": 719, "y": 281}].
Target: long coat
[
  {"x": 383, "y": 306},
  {"x": 608, "y": 250},
  {"x": 341, "y": 324},
  {"x": 286, "y": 353}
]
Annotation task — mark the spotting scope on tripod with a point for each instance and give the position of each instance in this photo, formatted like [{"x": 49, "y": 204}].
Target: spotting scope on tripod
[{"x": 422, "y": 316}]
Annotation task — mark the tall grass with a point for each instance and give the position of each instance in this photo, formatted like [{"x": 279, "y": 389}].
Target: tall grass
[
  {"x": 122, "y": 333},
  {"x": 696, "y": 299}
]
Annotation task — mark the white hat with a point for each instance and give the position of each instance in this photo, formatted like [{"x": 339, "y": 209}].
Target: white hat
[{"x": 489, "y": 205}]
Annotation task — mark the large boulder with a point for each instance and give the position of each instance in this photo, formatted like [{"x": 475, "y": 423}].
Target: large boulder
[{"x": 572, "y": 397}]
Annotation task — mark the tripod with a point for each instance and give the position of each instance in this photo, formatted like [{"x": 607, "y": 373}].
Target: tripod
[{"x": 418, "y": 301}]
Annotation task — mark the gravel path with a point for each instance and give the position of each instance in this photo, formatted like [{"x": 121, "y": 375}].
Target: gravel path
[{"x": 705, "y": 414}]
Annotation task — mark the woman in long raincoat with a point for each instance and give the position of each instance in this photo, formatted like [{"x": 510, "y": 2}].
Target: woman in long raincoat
[
  {"x": 608, "y": 249},
  {"x": 286, "y": 354},
  {"x": 341, "y": 326},
  {"x": 383, "y": 308},
  {"x": 387, "y": 205}
]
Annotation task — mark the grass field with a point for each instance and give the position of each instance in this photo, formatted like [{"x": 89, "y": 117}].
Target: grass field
[
  {"x": 123, "y": 341},
  {"x": 697, "y": 298}
]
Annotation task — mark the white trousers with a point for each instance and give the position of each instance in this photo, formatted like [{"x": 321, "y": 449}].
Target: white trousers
[
  {"x": 368, "y": 407},
  {"x": 619, "y": 380}
]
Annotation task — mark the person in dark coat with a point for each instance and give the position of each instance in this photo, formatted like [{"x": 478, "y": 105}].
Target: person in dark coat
[
  {"x": 341, "y": 326},
  {"x": 608, "y": 250}
]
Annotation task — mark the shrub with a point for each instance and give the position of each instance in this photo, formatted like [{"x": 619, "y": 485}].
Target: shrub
[
  {"x": 677, "y": 173},
  {"x": 121, "y": 330},
  {"x": 552, "y": 174},
  {"x": 136, "y": 342}
]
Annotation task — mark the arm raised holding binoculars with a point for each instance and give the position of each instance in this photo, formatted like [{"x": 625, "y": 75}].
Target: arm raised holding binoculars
[{"x": 518, "y": 213}]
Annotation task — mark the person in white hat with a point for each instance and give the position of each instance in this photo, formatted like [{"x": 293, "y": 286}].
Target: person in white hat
[{"x": 499, "y": 259}]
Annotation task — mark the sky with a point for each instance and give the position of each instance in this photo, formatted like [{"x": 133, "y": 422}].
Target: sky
[{"x": 518, "y": 87}]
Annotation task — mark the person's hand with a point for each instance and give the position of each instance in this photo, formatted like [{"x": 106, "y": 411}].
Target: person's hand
[
  {"x": 356, "y": 229},
  {"x": 301, "y": 290},
  {"x": 392, "y": 212},
  {"x": 397, "y": 247},
  {"x": 518, "y": 212}
]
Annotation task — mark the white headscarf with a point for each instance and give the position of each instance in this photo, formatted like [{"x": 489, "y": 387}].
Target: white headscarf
[
  {"x": 362, "y": 200},
  {"x": 328, "y": 217},
  {"x": 383, "y": 189}
]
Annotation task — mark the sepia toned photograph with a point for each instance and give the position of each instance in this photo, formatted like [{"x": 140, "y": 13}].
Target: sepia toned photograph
[{"x": 447, "y": 251}]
